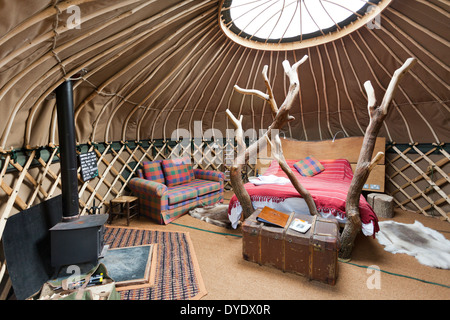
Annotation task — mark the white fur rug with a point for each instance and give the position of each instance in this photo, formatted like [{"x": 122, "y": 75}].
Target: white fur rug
[
  {"x": 428, "y": 246},
  {"x": 216, "y": 214}
]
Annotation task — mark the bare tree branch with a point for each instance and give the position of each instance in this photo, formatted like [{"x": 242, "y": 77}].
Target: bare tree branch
[
  {"x": 254, "y": 92},
  {"x": 371, "y": 99},
  {"x": 271, "y": 99},
  {"x": 398, "y": 75},
  {"x": 365, "y": 164},
  {"x": 281, "y": 118},
  {"x": 278, "y": 155}
]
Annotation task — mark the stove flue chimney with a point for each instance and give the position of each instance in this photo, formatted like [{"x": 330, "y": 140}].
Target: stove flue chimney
[{"x": 67, "y": 148}]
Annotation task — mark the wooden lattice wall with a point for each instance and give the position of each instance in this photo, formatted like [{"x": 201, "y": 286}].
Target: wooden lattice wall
[{"x": 417, "y": 176}]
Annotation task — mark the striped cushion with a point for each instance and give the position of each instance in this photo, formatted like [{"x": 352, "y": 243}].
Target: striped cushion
[
  {"x": 309, "y": 166},
  {"x": 152, "y": 171},
  {"x": 176, "y": 172}
]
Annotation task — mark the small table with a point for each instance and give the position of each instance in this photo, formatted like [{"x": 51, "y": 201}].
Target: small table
[{"x": 128, "y": 206}]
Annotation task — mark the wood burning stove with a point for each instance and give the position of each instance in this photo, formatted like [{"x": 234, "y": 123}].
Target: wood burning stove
[{"x": 76, "y": 239}]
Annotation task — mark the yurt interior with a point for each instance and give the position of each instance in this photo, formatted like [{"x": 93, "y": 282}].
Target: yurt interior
[{"x": 219, "y": 150}]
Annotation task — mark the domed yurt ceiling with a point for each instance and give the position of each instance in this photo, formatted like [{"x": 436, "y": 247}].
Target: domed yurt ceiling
[{"x": 142, "y": 68}]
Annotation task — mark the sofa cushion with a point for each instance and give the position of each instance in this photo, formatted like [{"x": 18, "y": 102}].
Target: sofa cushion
[
  {"x": 187, "y": 161},
  {"x": 180, "y": 193},
  {"x": 175, "y": 172},
  {"x": 153, "y": 171},
  {"x": 203, "y": 186}
]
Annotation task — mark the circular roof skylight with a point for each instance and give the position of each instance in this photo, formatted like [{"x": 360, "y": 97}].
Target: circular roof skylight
[{"x": 294, "y": 24}]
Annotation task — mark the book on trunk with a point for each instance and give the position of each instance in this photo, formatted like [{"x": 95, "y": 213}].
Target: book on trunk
[{"x": 273, "y": 217}]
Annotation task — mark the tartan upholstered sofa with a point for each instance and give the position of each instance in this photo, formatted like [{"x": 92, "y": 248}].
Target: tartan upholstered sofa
[{"x": 168, "y": 189}]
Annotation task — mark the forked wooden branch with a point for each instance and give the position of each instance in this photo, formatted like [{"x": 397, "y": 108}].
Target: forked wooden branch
[
  {"x": 291, "y": 72},
  {"x": 254, "y": 92},
  {"x": 365, "y": 163},
  {"x": 236, "y": 168},
  {"x": 266, "y": 97},
  {"x": 272, "y": 102},
  {"x": 398, "y": 75},
  {"x": 239, "y": 136},
  {"x": 281, "y": 118},
  {"x": 278, "y": 155}
]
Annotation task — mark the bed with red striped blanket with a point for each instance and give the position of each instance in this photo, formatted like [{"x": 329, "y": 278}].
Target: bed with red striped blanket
[{"x": 328, "y": 188}]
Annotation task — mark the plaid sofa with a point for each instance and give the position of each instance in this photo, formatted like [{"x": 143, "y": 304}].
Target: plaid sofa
[{"x": 168, "y": 189}]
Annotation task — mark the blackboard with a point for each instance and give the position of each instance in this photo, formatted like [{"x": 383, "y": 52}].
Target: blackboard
[
  {"x": 27, "y": 246},
  {"x": 88, "y": 164}
]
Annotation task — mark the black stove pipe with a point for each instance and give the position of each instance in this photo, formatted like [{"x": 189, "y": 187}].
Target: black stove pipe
[{"x": 67, "y": 150}]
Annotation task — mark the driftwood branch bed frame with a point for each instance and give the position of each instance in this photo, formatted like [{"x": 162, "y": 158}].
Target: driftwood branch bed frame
[{"x": 365, "y": 164}]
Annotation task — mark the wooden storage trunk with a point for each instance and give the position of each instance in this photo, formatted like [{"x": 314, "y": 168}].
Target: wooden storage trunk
[{"x": 313, "y": 254}]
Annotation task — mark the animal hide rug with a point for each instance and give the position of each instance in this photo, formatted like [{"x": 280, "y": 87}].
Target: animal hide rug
[
  {"x": 215, "y": 214},
  {"x": 428, "y": 246}
]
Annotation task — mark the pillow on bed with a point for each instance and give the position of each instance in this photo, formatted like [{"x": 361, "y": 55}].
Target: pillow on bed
[
  {"x": 335, "y": 169},
  {"x": 309, "y": 166}
]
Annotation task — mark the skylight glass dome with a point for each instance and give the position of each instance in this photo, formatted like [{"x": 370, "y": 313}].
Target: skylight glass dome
[{"x": 293, "y": 24}]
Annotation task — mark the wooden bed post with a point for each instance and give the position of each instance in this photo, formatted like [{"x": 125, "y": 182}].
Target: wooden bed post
[
  {"x": 278, "y": 155},
  {"x": 281, "y": 117},
  {"x": 236, "y": 169},
  {"x": 365, "y": 164}
]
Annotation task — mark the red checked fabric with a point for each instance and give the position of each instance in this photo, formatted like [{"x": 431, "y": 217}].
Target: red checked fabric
[
  {"x": 175, "y": 172},
  {"x": 309, "y": 166},
  {"x": 328, "y": 189},
  {"x": 152, "y": 171}
]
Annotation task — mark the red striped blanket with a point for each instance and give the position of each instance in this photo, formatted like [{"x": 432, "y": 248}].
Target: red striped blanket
[{"x": 328, "y": 189}]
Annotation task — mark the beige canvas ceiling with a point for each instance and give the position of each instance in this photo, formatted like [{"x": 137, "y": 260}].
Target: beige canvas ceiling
[{"x": 154, "y": 66}]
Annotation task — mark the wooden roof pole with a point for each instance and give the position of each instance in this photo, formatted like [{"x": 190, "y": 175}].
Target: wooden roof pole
[
  {"x": 198, "y": 81},
  {"x": 44, "y": 14},
  {"x": 121, "y": 93},
  {"x": 134, "y": 40},
  {"x": 143, "y": 101},
  {"x": 64, "y": 28}
]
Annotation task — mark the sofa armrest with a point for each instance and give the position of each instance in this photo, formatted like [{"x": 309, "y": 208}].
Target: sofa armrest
[
  {"x": 139, "y": 173},
  {"x": 209, "y": 175},
  {"x": 139, "y": 186}
]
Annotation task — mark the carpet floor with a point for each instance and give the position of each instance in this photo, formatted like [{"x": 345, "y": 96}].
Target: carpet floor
[{"x": 372, "y": 274}]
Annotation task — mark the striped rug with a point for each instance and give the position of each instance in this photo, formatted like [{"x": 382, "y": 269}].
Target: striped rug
[{"x": 177, "y": 272}]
